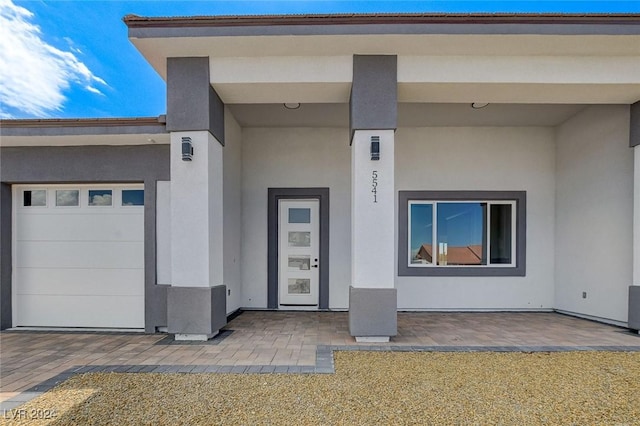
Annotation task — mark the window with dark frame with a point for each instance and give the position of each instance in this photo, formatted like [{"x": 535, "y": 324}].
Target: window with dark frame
[{"x": 465, "y": 233}]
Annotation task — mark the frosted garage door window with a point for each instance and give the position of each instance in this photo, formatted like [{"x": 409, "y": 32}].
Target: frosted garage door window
[
  {"x": 34, "y": 198},
  {"x": 67, "y": 198}
]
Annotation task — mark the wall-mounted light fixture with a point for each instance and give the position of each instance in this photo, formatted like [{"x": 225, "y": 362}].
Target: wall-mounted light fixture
[
  {"x": 187, "y": 149},
  {"x": 375, "y": 148}
]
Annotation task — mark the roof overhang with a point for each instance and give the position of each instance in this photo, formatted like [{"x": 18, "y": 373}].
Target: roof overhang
[{"x": 441, "y": 58}]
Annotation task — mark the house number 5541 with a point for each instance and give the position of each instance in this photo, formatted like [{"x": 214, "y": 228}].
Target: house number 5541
[{"x": 374, "y": 185}]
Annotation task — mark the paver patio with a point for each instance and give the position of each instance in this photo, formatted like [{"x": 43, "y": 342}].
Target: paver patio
[{"x": 263, "y": 341}]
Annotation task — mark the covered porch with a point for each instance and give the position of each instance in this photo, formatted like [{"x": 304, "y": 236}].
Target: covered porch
[{"x": 489, "y": 113}]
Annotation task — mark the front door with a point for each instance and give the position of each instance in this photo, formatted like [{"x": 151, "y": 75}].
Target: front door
[{"x": 298, "y": 253}]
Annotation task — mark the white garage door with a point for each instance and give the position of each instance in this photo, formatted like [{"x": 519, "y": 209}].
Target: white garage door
[{"x": 79, "y": 256}]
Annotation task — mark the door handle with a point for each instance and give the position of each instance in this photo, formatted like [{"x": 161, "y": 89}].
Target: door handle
[{"x": 314, "y": 266}]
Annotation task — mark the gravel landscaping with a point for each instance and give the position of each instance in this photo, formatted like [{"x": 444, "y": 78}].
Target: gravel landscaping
[{"x": 368, "y": 388}]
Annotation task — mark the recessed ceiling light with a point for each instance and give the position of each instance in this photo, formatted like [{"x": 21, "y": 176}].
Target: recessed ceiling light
[
  {"x": 292, "y": 105},
  {"x": 478, "y": 105}
]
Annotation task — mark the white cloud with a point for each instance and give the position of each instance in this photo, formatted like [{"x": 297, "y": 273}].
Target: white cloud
[
  {"x": 93, "y": 90},
  {"x": 34, "y": 74},
  {"x": 72, "y": 45},
  {"x": 100, "y": 200}
]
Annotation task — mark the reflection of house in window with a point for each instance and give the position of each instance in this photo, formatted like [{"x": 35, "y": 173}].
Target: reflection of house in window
[{"x": 469, "y": 255}]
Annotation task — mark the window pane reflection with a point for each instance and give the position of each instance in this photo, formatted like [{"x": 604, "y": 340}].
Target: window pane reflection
[
  {"x": 67, "y": 197},
  {"x": 34, "y": 198},
  {"x": 421, "y": 233},
  {"x": 133, "y": 197},
  {"x": 100, "y": 197},
  {"x": 500, "y": 233},
  {"x": 461, "y": 233}
]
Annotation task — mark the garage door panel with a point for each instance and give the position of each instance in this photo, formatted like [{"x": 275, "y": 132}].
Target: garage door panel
[
  {"x": 108, "y": 255},
  {"x": 81, "y": 227},
  {"x": 81, "y": 311},
  {"x": 79, "y": 265},
  {"x": 91, "y": 282}
]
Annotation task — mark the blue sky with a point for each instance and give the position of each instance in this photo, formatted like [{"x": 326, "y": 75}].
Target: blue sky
[{"x": 65, "y": 59}]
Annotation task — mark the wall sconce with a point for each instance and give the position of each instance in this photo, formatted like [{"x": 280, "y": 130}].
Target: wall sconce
[
  {"x": 187, "y": 149},
  {"x": 375, "y": 148}
]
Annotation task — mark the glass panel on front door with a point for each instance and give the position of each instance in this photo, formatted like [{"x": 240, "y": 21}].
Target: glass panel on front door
[
  {"x": 298, "y": 252},
  {"x": 299, "y": 286},
  {"x": 299, "y": 239},
  {"x": 302, "y": 263},
  {"x": 299, "y": 215}
]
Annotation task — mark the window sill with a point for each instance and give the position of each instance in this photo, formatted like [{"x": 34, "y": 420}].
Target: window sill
[{"x": 407, "y": 271}]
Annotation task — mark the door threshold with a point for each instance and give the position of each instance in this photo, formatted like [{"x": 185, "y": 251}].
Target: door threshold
[
  {"x": 298, "y": 304},
  {"x": 282, "y": 307}
]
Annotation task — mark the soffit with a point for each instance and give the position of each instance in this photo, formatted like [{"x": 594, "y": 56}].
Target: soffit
[{"x": 409, "y": 115}]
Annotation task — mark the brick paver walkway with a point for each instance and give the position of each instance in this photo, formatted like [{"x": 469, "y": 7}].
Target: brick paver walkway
[{"x": 262, "y": 341}]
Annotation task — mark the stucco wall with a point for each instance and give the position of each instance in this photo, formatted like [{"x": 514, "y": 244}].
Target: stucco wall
[
  {"x": 426, "y": 158},
  {"x": 594, "y": 219},
  {"x": 232, "y": 157},
  {"x": 293, "y": 158},
  {"x": 484, "y": 158}
]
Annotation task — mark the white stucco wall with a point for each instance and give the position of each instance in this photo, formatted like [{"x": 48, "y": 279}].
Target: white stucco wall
[
  {"x": 163, "y": 232},
  {"x": 294, "y": 157},
  {"x": 232, "y": 158},
  {"x": 373, "y": 215},
  {"x": 196, "y": 212},
  {"x": 426, "y": 159},
  {"x": 484, "y": 158},
  {"x": 594, "y": 214}
]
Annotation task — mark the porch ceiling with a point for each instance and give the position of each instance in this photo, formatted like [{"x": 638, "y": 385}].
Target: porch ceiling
[{"x": 409, "y": 115}]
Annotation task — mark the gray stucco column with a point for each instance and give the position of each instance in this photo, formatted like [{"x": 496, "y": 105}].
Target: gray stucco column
[
  {"x": 5, "y": 256},
  {"x": 373, "y": 117},
  {"x": 634, "y": 289},
  {"x": 196, "y": 300}
]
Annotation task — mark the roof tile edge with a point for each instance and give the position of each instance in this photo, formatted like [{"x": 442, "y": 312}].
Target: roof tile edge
[
  {"x": 135, "y": 21},
  {"x": 83, "y": 122}
]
